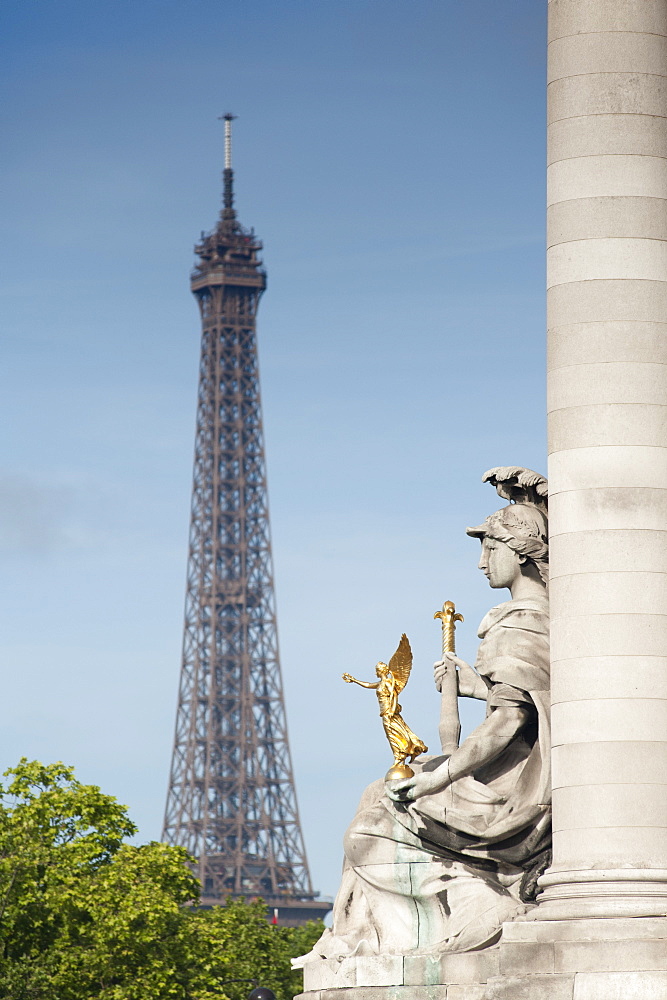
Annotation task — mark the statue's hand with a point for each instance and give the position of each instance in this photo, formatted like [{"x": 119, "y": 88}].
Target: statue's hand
[
  {"x": 466, "y": 676},
  {"x": 468, "y": 680},
  {"x": 348, "y": 678},
  {"x": 409, "y": 789}
]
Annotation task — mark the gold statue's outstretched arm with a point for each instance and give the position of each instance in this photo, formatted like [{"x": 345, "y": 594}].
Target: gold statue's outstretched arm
[{"x": 349, "y": 679}]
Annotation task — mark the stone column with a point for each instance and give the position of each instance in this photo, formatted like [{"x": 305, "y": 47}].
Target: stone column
[{"x": 607, "y": 396}]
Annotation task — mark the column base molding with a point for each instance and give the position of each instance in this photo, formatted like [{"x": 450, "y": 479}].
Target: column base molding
[{"x": 610, "y": 892}]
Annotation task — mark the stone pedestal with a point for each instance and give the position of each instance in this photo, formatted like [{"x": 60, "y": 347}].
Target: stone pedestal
[
  {"x": 584, "y": 959},
  {"x": 461, "y": 976}
]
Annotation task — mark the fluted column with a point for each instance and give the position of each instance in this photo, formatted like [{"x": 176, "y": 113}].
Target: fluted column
[{"x": 607, "y": 400}]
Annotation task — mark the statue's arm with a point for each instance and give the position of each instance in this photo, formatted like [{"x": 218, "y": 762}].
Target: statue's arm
[
  {"x": 489, "y": 740},
  {"x": 349, "y": 679}
]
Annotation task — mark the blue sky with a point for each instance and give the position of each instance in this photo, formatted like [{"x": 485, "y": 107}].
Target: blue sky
[{"x": 389, "y": 153}]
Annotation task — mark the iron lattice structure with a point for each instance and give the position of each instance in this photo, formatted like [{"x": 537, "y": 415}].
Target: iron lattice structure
[{"x": 231, "y": 801}]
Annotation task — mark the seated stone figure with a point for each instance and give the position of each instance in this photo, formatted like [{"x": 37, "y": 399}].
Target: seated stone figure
[{"x": 436, "y": 862}]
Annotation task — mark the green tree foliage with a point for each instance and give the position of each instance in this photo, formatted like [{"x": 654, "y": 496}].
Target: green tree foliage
[{"x": 86, "y": 915}]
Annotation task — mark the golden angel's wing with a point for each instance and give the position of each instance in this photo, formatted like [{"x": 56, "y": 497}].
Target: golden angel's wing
[{"x": 401, "y": 663}]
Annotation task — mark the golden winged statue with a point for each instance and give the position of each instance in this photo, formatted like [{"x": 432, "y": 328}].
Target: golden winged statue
[{"x": 392, "y": 678}]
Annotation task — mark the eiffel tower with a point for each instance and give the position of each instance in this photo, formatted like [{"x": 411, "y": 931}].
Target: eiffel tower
[{"x": 232, "y": 801}]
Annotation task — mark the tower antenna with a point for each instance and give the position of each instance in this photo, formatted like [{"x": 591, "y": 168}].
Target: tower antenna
[{"x": 228, "y": 174}]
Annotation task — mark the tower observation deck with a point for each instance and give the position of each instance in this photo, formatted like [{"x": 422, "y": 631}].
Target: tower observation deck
[{"x": 231, "y": 800}]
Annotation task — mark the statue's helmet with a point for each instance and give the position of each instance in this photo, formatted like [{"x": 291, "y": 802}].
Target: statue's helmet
[{"x": 523, "y": 525}]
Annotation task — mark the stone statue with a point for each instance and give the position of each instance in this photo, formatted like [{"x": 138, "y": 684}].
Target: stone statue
[
  {"x": 437, "y": 861},
  {"x": 392, "y": 678}
]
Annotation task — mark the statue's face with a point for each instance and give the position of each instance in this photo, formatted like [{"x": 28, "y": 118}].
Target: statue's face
[{"x": 499, "y": 563}]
